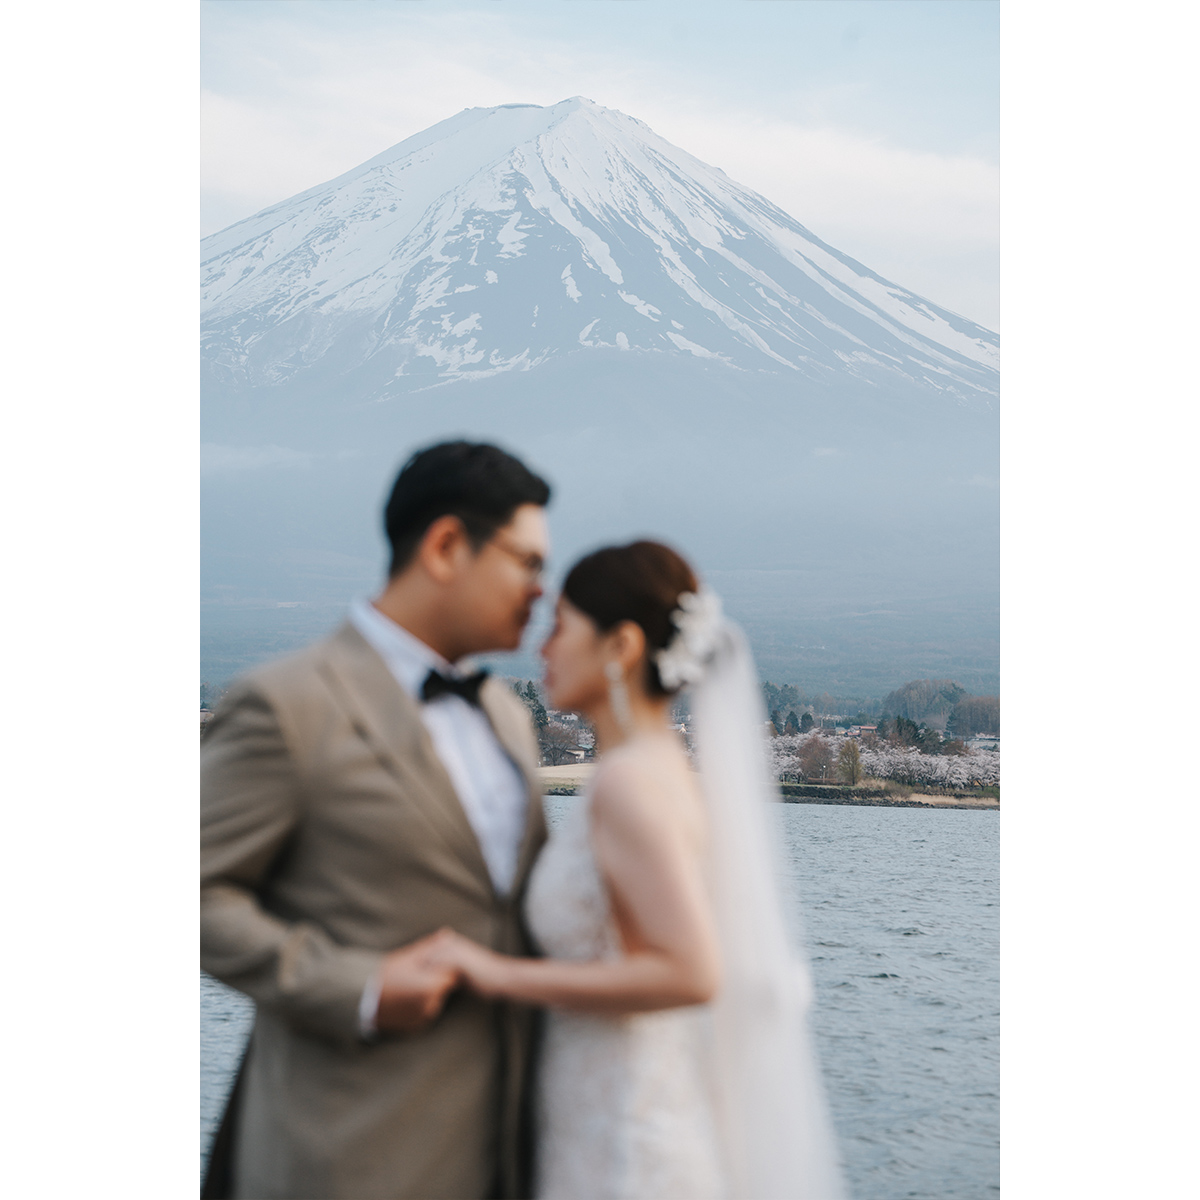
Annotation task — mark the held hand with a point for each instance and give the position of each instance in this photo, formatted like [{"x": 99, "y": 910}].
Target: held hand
[
  {"x": 483, "y": 969},
  {"x": 413, "y": 988}
]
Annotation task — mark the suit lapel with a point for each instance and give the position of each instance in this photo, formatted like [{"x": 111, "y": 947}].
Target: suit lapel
[
  {"x": 533, "y": 840},
  {"x": 389, "y": 720},
  {"x": 513, "y": 735}
]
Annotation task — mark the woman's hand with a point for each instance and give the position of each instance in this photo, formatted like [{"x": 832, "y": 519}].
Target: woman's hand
[{"x": 483, "y": 970}]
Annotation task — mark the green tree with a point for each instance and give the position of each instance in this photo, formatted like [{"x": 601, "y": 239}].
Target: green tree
[
  {"x": 792, "y": 724},
  {"x": 849, "y": 762},
  {"x": 806, "y": 722},
  {"x": 789, "y": 696},
  {"x": 777, "y": 722},
  {"x": 532, "y": 701},
  {"x": 929, "y": 741}
]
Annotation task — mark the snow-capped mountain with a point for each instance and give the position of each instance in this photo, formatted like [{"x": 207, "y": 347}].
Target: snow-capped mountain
[
  {"x": 681, "y": 359},
  {"x": 504, "y": 237}
]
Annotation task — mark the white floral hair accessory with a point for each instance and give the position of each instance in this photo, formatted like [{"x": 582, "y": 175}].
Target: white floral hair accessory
[{"x": 697, "y": 620}]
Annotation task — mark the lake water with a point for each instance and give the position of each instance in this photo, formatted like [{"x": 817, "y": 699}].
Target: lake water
[{"x": 901, "y": 912}]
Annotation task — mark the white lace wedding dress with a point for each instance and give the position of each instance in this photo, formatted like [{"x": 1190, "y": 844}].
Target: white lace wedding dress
[{"x": 624, "y": 1108}]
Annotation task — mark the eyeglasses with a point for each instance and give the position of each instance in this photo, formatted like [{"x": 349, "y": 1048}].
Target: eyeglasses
[{"x": 533, "y": 563}]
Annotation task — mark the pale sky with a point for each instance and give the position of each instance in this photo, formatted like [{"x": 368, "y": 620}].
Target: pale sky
[{"x": 875, "y": 124}]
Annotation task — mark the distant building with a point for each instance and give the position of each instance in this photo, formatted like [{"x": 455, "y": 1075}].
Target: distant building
[{"x": 859, "y": 730}]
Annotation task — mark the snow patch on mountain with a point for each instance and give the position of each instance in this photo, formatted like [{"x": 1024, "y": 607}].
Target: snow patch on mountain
[{"x": 446, "y": 254}]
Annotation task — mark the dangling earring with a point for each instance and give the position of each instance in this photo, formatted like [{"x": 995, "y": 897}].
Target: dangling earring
[{"x": 618, "y": 697}]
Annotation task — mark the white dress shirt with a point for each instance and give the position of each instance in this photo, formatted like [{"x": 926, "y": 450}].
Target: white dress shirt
[{"x": 489, "y": 784}]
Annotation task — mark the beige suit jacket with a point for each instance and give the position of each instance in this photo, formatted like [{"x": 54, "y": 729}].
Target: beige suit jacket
[{"x": 331, "y": 834}]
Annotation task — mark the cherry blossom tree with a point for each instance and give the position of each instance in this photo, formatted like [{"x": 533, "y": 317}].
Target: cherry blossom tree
[{"x": 790, "y": 754}]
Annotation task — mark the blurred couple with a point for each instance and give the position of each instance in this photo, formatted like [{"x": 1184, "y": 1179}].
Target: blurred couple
[{"x": 449, "y": 1005}]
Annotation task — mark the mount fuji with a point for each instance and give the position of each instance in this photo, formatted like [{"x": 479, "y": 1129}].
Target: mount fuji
[
  {"x": 503, "y": 237},
  {"x": 677, "y": 354}
]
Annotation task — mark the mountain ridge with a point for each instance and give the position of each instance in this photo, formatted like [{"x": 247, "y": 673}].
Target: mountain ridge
[{"x": 605, "y": 235}]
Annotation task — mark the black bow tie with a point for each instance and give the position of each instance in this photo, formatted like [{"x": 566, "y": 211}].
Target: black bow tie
[{"x": 436, "y": 684}]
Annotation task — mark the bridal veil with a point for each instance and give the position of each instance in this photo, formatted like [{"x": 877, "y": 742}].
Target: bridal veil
[{"x": 777, "y": 1138}]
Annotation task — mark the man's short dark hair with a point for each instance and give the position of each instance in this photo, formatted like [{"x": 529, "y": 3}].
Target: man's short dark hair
[{"x": 479, "y": 484}]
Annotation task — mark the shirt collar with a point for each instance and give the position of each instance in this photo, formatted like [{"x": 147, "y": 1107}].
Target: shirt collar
[{"x": 407, "y": 657}]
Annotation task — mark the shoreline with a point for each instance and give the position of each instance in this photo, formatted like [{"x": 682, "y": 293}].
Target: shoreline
[
  {"x": 570, "y": 780},
  {"x": 916, "y": 800}
]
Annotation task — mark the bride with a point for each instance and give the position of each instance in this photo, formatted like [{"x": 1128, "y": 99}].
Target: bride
[{"x": 676, "y": 1063}]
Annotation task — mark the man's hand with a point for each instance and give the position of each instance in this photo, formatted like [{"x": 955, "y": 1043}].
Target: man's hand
[
  {"x": 485, "y": 971},
  {"x": 412, "y": 989}
]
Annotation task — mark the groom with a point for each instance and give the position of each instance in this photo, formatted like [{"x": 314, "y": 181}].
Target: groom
[{"x": 356, "y": 797}]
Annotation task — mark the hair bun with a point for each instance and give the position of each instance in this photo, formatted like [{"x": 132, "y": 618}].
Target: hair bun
[{"x": 642, "y": 582}]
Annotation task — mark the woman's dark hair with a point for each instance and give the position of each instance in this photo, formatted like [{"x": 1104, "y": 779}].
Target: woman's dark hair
[
  {"x": 479, "y": 484},
  {"x": 641, "y": 582}
]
